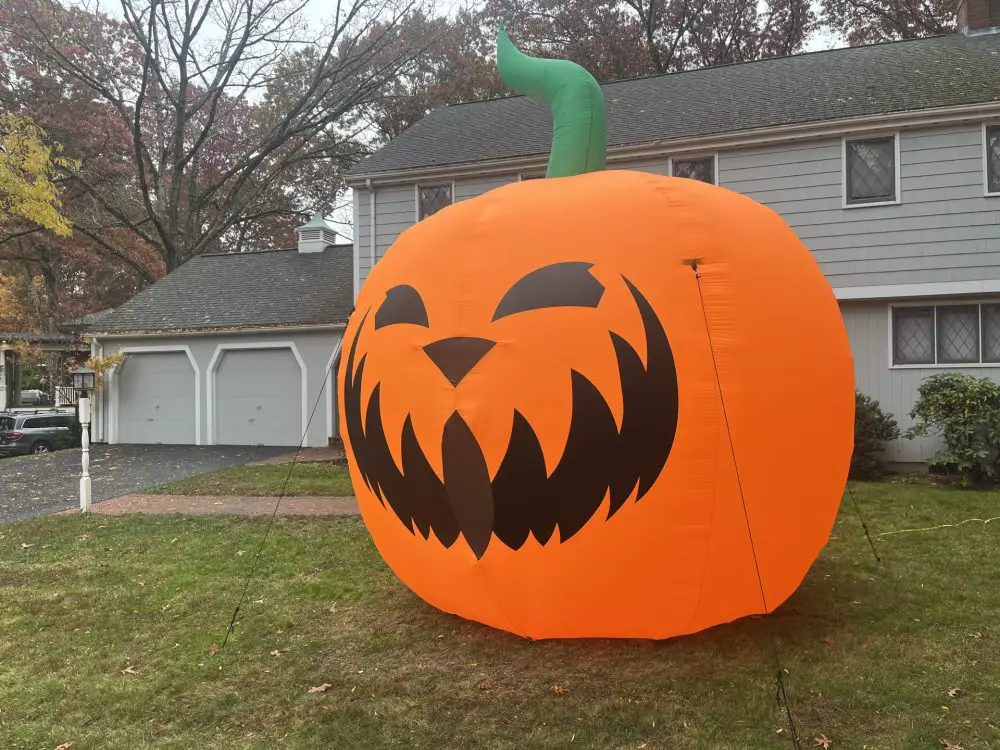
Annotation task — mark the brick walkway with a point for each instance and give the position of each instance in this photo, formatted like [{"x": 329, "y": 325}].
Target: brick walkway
[{"x": 240, "y": 506}]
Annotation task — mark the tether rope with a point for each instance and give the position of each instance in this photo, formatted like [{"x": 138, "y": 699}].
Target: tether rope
[
  {"x": 281, "y": 494},
  {"x": 781, "y": 693}
]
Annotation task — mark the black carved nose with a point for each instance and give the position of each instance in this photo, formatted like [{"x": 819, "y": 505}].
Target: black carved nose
[{"x": 457, "y": 356}]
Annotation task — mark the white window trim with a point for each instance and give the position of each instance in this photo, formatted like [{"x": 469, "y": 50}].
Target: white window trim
[
  {"x": 714, "y": 156},
  {"x": 897, "y": 168},
  {"x": 216, "y": 360},
  {"x": 114, "y": 405},
  {"x": 986, "y": 164},
  {"x": 416, "y": 195},
  {"x": 941, "y": 365}
]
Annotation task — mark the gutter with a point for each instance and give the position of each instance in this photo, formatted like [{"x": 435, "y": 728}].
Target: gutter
[
  {"x": 681, "y": 146},
  {"x": 94, "y": 335}
]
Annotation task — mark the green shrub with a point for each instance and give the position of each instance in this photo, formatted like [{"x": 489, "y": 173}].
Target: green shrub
[
  {"x": 872, "y": 429},
  {"x": 965, "y": 411}
]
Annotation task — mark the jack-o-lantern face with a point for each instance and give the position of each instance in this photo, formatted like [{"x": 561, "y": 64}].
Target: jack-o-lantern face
[
  {"x": 582, "y": 406},
  {"x": 602, "y": 456}
]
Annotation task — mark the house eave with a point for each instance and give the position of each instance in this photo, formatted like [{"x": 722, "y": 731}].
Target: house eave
[
  {"x": 228, "y": 331},
  {"x": 679, "y": 146}
]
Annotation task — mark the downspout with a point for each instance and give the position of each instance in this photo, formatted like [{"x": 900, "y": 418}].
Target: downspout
[
  {"x": 371, "y": 221},
  {"x": 97, "y": 416}
]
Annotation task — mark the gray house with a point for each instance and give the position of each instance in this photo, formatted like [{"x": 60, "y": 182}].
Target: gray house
[
  {"x": 884, "y": 159},
  {"x": 230, "y": 349}
]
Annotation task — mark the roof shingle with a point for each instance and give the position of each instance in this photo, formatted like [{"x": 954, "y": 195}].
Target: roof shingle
[
  {"x": 941, "y": 71},
  {"x": 242, "y": 290}
]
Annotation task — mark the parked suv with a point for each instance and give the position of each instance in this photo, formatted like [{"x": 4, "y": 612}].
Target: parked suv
[{"x": 37, "y": 431}]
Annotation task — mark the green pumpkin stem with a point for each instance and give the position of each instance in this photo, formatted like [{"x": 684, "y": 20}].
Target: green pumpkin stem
[{"x": 573, "y": 96}]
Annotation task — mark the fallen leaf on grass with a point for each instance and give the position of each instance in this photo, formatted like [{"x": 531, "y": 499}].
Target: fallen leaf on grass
[
  {"x": 977, "y": 634},
  {"x": 559, "y": 690},
  {"x": 65, "y": 746},
  {"x": 952, "y": 692},
  {"x": 129, "y": 670},
  {"x": 822, "y": 741},
  {"x": 276, "y": 652},
  {"x": 213, "y": 649},
  {"x": 828, "y": 640},
  {"x": 949, "y": 745},
  {"x": 26, "y": 546},
  {"x": 484, "y": 685},
  {"x": 321, "y": 688}
]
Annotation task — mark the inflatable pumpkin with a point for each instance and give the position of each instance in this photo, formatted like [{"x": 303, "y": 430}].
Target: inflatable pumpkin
[{"x": 606, "y": 403}]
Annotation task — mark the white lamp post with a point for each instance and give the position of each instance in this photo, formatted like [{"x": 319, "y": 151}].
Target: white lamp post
[{"x": 83, "y": 383}]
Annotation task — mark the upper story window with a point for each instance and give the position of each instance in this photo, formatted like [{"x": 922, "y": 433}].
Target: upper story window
[
  {"x": 871, "y": 174},
  {"x": 702, "y": 168},
  {"x": 992, "y": 133},
  {"x": 431, "y": 199},
  {"x": 962, "y": 334}
]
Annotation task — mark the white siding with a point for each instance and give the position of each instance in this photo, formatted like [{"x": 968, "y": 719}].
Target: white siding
[
  {"x": 944, "y": 229},
  {"x": 315, "y": 348},
  {"x": 895, "y": 389},
  {"x": 465, "y": 189}
]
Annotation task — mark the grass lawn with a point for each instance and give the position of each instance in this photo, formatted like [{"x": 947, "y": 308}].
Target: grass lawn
[
  {"x": 307, "y": 478},
  {"x": 106, "y": 625}
]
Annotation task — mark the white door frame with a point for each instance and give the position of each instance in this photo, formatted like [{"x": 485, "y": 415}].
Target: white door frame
[
  {"x": 331, "y": 394},
  {"x": 213, "y": 366},
  {"x": 114, "y": 405}
]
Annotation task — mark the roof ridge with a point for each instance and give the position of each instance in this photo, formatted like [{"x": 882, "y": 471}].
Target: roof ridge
[{"x": 721, "y": 66}]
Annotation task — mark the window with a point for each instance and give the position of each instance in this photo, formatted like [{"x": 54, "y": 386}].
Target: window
[
  {"x": 992, "y": 133},
  {"x": 702, "y": 168},
  {"x": 870, "y": 171},
  {"x": 532, "y": 177},
  {"x": 965, "y": 334},
  {"x": 431, "y": 199},
  {"x": 33, "y": 422}
]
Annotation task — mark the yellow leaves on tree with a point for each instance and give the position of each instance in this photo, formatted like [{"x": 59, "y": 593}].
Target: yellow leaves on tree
[
  {"x": 28, "y": 168},
  {"x": 20, "y": 298}
]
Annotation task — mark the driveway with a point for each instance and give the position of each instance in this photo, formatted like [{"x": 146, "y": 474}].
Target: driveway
[{"x": 43, "y": 484}]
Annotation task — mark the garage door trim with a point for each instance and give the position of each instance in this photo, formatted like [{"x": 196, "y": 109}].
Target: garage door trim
[
  {"x": 113, "y": 437},
  {"x": 213, "y": 367}
]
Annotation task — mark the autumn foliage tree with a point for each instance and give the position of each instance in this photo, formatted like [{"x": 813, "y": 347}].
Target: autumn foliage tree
[
  {"x": 225, "y": 133},
  {"x": 28, "y": 174},
  {"x": 873, "y": 21},
  {"x": 642, "y": 37}
]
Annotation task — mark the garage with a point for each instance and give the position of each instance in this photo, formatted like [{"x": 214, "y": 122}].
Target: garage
[
  {"x": 258, "y": 397},
  {"x": 157, "y": 399}
]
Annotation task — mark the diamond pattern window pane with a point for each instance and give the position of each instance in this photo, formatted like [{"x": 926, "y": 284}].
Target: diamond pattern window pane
[
  {"x": 433, "y": 199},
  {"x": 871, "y": 170},
  {"x": 913, "y": 335},
  {"x": 958, "y": 334},
  {"x": 695, "y": 169},
  {"x": 993, "y": 158},
  {"x": 991, "y": 333}
]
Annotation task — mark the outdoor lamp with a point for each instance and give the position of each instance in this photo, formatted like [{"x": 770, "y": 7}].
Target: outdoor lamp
[
  {"x": 83, "y": 379},
  {"x": 83, "y": 384}
]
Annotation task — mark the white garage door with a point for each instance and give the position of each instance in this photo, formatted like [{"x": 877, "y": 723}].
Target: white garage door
[
  {"x": 156, "y": 399},
  {"x": 258, "y": 398}
]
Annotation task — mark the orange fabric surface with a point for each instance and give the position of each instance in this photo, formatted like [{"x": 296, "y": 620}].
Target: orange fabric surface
[{"x": 764, "y": 388}]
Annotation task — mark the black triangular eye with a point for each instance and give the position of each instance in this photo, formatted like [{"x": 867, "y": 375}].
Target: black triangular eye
[
  {"x": 559, "y": 285},
  {"x": 402, "y": 305}
]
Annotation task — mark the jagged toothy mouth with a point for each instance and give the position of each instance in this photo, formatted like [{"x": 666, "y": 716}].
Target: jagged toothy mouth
[{"x": 522, "y": 498}]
